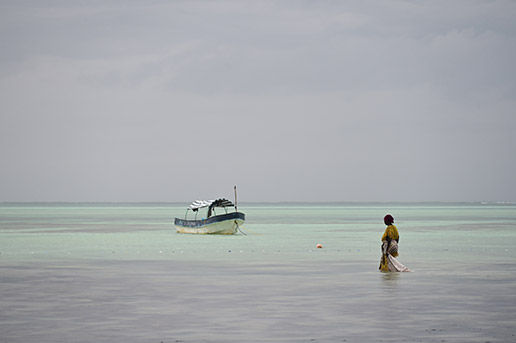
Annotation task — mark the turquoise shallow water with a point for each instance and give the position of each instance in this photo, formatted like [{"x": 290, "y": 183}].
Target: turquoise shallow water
[{"x": 120, "y": 273}]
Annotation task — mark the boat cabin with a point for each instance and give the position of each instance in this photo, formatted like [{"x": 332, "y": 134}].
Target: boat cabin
[{"x": 212, "y": 205}]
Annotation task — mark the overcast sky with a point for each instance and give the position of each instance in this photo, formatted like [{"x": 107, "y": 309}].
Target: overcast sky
[{"x": 289, "y": 100}]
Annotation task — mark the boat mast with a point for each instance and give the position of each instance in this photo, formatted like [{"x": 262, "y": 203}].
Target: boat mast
[{"x": 236, "y": 208}]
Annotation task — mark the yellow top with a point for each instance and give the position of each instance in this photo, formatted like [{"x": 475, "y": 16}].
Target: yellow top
[{"x": 392, "y": 232}]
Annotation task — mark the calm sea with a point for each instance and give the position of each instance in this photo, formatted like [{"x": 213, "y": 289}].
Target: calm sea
[{"x": 120, "y": 273}]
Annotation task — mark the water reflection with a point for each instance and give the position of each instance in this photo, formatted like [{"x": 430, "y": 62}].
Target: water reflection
[{"x": 390, "y": 278}]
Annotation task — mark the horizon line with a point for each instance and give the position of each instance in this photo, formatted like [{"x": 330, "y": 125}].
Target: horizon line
[{"x": 485, "y": 202}]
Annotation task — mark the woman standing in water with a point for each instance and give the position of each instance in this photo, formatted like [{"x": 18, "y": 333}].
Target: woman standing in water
[{"x": 390, "y": 240}]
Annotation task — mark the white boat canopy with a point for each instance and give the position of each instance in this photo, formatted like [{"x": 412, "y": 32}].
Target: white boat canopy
[{"x": 197, "y": 204}]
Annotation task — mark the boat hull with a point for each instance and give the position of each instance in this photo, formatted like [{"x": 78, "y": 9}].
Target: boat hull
[{"x": 224, "y": 224}]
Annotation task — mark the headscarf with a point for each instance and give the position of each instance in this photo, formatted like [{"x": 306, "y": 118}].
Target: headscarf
[{"x": 388, "y": 219}]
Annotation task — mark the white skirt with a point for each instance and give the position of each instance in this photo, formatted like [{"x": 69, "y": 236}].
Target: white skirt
[{"x": 395, "y": 265}]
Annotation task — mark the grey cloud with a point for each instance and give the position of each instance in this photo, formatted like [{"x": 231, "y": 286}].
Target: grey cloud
[{"x": 124, "y": 101}]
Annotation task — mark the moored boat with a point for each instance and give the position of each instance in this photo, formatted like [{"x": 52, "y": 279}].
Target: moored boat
[{"x": 227, "y": 223}]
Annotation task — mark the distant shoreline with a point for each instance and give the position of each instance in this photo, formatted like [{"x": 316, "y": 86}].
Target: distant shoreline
[{"x": 261, "y": 203}]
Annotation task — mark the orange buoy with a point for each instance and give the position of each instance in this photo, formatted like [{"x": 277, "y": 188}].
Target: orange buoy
[{"x": 319, "y": 246}]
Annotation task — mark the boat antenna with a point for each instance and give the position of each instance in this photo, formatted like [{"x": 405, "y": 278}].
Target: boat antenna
[{"x": 236, "y": 208}]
